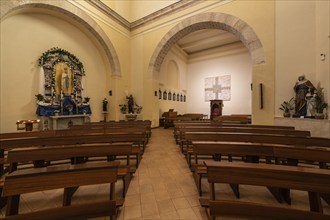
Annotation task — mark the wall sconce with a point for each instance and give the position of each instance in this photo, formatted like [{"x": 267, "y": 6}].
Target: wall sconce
[
  {"x": 156, "y": 93},
  {"x": 174, "y": 96},
  {"x": 322, "y": 55},
  {"x": 169, "y": 95},
  {"x": 160, "y": 94},
  {"x": 110, "y": 92}
]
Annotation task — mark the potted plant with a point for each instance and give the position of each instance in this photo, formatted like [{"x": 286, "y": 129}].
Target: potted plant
[
  {"x": 123, "y": 109},
  {"x": 319, "y": 103},
  {"x": 137, "y": 109},
  {"x": 86, "y": 99},
  {"x": 286, "y": 107},
  {"x": 40, "y": 97}
]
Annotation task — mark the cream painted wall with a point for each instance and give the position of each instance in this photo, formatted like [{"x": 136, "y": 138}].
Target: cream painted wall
[
  {"x": 302, "y": 34},
  {"x": 173, "y": 62},
  {"x": 238, "y": 66},
  {"x": 24, "y": 37}
]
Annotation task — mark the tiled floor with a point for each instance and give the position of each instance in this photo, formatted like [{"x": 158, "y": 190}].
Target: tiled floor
[{"x": 162, "y": 188}]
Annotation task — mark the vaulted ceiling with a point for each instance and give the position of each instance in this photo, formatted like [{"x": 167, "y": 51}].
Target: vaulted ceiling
[
  {"x": 208, "y": 39},
  {"x": 199, "y": 43}
]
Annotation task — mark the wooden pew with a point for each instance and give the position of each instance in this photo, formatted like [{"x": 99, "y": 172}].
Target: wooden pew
[
  {"x": 250, "y": 136},
  {"x": 249, "y": 210},
  {"x": 232, "y": 149},
  {"x": 262, "y": 139},
  {"x": 251, "y": 152},
  {"x": 180, "y": 125},
  {"x": 70, "y": 153},
  {"x": 146, "y": 124},
  {"x": 26, "y": 134},
  {"x": 62, "y": 137},
  {"x": 257, "y": 138},
  {"x": 242, "y": 119},
  {"x": 137, "y": 138},
  {"x": 62, "y": 176},
  {"x": 181, "y": 131},
  {"x": 226, "y": 124},
  {"x": 314, "y": 181}
]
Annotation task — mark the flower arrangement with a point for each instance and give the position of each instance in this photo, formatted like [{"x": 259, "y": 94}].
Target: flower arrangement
[
  {"x": 137, "y": 109},
  {"x": 86, "y": 99},
  {"x": 40, "y": 97},
  {"x": 319, "y": 103},
  {"x": 123, "y": 109}
]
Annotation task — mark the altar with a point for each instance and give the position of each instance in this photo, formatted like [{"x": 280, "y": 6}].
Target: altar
[{"x": 65, "y": 121}]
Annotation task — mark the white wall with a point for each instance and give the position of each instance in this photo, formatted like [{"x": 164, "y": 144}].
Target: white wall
[
  {"x": 24, "y": 37},
  {"x": 239, "y": 66}
]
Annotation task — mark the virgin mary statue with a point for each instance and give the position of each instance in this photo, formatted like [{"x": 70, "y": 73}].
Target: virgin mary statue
[{"x": 63, "y": 80}]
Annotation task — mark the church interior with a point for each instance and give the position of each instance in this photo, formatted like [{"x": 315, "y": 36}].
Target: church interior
[{"x": 132, "y": 91}]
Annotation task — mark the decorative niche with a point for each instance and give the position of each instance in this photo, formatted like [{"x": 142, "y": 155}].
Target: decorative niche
[{"x": 61, "y": 82}]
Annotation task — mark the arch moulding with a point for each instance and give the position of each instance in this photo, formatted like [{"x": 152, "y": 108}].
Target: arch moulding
[
  {"x": 64, "y": 8},
  {"x": 211, "y": 20}
]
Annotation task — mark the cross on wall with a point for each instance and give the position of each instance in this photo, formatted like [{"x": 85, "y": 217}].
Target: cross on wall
[{"x": 218, "y": 87}]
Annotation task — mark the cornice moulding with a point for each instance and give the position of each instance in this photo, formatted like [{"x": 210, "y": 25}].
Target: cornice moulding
[{"x": 111, "y": 13}]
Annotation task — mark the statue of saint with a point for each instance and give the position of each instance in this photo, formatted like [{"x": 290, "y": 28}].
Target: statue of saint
[
  {"x": 105, "y": 105},
  {"x": 130, "y": 104},
  {"x": 301, "y": 88}
]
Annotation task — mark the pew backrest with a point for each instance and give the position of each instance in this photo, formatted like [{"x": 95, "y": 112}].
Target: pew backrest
[
  {"x": 54, "y": 153},
  {"x": 291, "y": 177},
  {"x": 257, "y": 138},
  {"x": 56, "y": 177}
]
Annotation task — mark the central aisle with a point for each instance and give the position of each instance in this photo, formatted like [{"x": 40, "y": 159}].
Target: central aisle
[{"x": 163, "y": 186}]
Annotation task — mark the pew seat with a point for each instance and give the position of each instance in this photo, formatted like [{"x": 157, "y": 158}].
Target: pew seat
[
  {"x": 311, "y": 180},
  {"x": 62, "y": 176}
]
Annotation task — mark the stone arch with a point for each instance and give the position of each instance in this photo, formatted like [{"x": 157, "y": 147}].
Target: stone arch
[
  {"x": 72, "y": 12},
  {"x": 211, "y": 20}
]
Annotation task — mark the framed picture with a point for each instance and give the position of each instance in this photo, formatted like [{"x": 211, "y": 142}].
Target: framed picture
[
  {"x": 160, "y": 94},
  {"x": 164, "y": 95}
]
